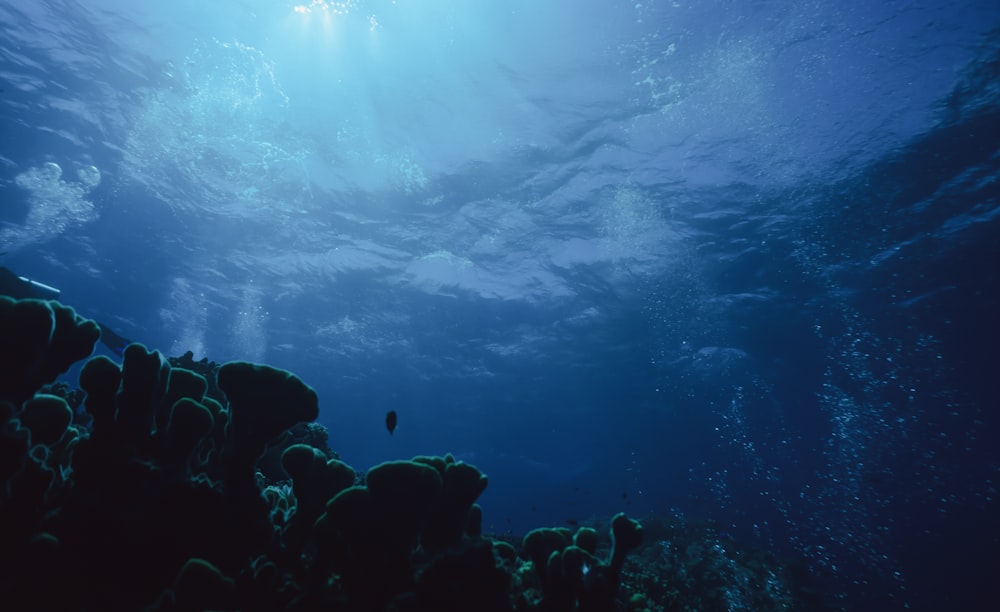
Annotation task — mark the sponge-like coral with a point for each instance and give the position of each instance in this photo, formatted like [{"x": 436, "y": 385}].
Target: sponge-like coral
[
  {"x": 181, "y": 383},
  {"x": 41, "y": 341},
  {"x": 626, "y": 535},
  {"x": 315, "y": 481},
  {"x": 586, "y": 538},
  {"x": 46, "y": 417},
  {"x": 571, "y": 576},
  {"x": 539, "y": 544},
  {"x": 405, "y": 492},
  {"x": 463, "y": 484},
  {"x": 189, "y": 423},
  {"x": 144, "y": 383},
  {"x": 73, "y": 339},
  {"x": 347, "y": 538},
  {"x": 474, "y": 522},
  {"x": 264, "y": 402},
  {"x": 369, "y": 534},
  {"x": 101, "y": 378}
]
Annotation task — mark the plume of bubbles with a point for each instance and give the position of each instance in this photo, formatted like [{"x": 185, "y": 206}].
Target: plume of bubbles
[{"x": 55, "y": 205}]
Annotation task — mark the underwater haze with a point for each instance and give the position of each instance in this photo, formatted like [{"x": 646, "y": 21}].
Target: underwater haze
[{"x": 732, "y": 261}]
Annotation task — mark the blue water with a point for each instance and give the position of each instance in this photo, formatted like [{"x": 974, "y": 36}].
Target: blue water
[{"x": 738, "y": 261}]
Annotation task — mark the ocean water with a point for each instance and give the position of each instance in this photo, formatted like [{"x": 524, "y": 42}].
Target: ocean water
[{"x": 732, "y": 261}]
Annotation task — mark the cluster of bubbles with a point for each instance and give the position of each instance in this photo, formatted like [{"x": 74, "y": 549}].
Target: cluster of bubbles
[
  {"x": 212, "y": 139},
  {"x": 249, "y": 328},
  {"x": 55, "y": 205}
]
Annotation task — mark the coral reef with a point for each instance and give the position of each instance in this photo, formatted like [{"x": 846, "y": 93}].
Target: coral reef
[
  {"x": 185, "y": 485},
  {"x": 686, "y": 566}
]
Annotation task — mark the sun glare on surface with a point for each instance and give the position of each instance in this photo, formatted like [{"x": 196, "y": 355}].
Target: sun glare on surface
[
  {"x": 333, "y": 7},
  {"x": 331, "y": 23},
  {"x": 326, "y": 15}
]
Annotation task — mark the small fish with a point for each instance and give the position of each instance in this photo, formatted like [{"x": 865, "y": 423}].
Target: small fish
[{"x": 390, "y": 421}]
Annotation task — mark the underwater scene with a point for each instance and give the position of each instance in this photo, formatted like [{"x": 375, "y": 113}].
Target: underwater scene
[{"x": 512, "y": 306}]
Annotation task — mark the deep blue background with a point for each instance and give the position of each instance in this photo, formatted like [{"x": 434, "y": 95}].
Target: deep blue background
[{"x": 732, "y": 260}]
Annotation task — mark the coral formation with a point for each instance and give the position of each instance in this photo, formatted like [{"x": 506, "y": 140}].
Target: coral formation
[
  {"x": 187, "y": 485},
  {"x": 41, "y": 341},
  {"x": 184, "y": 485},
  {"x": 686, "y": 565}
]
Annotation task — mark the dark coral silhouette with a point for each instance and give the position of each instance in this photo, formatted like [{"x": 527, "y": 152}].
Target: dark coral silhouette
[{"x": 171, "y": 491}]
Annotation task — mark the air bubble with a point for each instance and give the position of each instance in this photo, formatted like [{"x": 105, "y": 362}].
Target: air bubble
[{"x": 90, "y": 176}]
